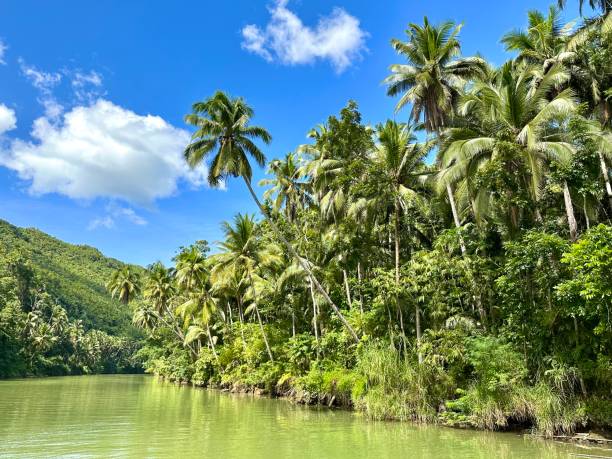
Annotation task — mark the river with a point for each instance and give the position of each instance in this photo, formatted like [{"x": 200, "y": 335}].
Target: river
[{"x": 140, "y": 416}]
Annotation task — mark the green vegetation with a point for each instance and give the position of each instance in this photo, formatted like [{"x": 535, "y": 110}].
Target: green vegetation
[
  {"x": 474, "y": 291},
  {"x": 55, "y": 315}
]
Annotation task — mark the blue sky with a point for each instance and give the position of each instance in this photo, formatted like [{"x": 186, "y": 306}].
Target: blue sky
[{"x": 93, "y": 94}]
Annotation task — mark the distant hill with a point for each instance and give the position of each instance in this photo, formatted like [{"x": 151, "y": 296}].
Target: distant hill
[{"x": 75, "y": 275}]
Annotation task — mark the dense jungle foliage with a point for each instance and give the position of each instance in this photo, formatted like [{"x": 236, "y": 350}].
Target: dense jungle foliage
[
  {"x": 456, "y": 268},
  {"x": 55, "y": 315}
]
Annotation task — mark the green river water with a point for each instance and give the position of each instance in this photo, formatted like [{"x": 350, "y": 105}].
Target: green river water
[{"x": 140, "y": 416}]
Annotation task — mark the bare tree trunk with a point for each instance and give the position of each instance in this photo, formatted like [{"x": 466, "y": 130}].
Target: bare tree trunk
[
  {"x": 569, "y": 210},
  {"x": 303, "y": 264},
  {"x": 451, "y": 200},
  {"x": 347, "y": 289},
  {"x": 606, "y": 177},
  {"x": 292, "y": 323}
]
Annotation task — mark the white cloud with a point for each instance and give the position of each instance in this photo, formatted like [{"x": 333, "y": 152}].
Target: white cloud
[
  {"x": 103, "y": 150},
  {"x": 8, "y": 120},
  {"x": 44, "y": 82},
  {"x": 337, "y": 37},
  {"x": 115, "y": 212},
  {"x": 102, "y": 222},
  {"x": 3, "y": 48},
  {"x": 87, "y": 87}
]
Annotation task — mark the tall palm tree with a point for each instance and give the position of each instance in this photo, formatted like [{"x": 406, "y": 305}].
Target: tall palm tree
[
  {"x": 222, "y": 126},
  {"x": 244, "y": 252},
  {"x": 515, "y": 122},
  {"x": 433, "y": 78},
  {"x": 287, "y": 186},
  {"x": 399, "y": 172},
  {"x": 191, "y": 269},
  {"x": 124, "y": 284},
  {"x": 160, "y": 289}
]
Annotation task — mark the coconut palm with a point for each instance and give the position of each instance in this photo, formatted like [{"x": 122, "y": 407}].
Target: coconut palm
[
  {"x": 244, "y": 252},
  {"x": 191, "y": 269},
  {"x": 544, "y": 42},
  {"x": 124, "y": 284},
  {"x": 222, "y": 126},
  {"x": 515, "y": 122},
  {"x": 399, "y": 171},
  {"x": 159, "y": 287},
  {"x": 433, "y": 78},
  {"x": 287, "y": 186}
]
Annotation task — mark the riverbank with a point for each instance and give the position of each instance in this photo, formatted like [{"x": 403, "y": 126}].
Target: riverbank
[{"x": 330, "y": 400}]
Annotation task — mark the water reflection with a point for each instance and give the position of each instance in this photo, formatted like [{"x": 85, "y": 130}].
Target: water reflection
[{"x": 139, "y": 416}]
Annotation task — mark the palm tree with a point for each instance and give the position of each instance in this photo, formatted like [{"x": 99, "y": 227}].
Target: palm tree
[
  {"x": 433, "y": 78},
  {"x": 159, "y": 287},
  {"x": 544, "y": 42},
  {"x": 124, "y": 284},
  {"x": 289, "y": 191},
  {"x": 223, "y": 128},
  {"x": 399, "y": 171},
  {"x": 515, "y": 122},
  {"x": 199, "y": 307},
  {"x": 244, "y": 252},
  {"x": 604, "y": 6},
  {"x": 191, "y": 269}
]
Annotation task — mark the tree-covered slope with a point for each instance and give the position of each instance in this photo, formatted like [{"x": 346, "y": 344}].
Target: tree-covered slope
[{"x": 74, "y": 275}]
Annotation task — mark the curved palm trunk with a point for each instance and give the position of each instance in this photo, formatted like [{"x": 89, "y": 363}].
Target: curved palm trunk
[
  {"x": 569, "y": 210},
  {"x": 606, "y": 177},
  {"x": 303, "y": 265},
  {"x": 177, "y": 330}
]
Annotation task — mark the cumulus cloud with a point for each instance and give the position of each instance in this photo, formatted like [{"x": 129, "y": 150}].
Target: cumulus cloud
[
  {"x": 337, "y": 37},
  {"x": 115, "y": 212},
  {"x": 103, "y": 150},
  {"x": 8, "y": 120}
]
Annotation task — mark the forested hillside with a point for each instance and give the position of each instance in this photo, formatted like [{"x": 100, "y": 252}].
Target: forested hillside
[
  {"x": 56, "y": 316},
  {"x": 74, "y": 275}
]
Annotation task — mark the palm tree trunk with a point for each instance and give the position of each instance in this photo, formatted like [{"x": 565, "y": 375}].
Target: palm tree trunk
[
  {"x": 606, "y": 177},
  {"x": 177, "y": 330},
  {"x": 302, "y": 263},
  {"x": 212, "y": 343},
  {"x": 396, "y": 236},
  {"x": 451, "y": 200},
  {"x": 241, "y": 320},
  {"x": 314, "y": 315},
  {"x": 359, "y": 280},
  {"x": 569, "y": 210},
  {"x": 347, "y": 289},
  {"x": 263, "y": 332}
]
